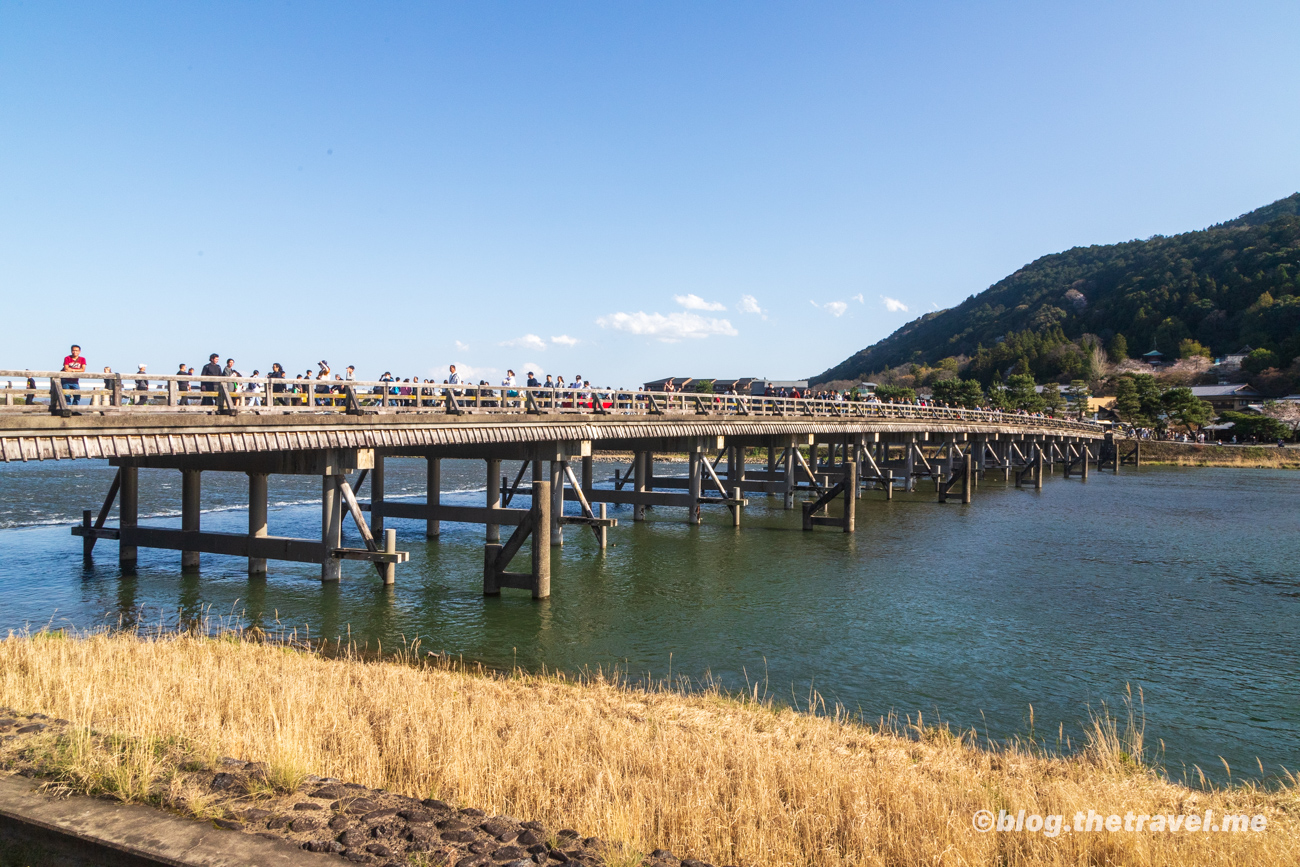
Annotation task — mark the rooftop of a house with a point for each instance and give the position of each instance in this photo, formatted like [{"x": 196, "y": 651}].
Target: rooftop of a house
[{"x": 1231, "y": 389}]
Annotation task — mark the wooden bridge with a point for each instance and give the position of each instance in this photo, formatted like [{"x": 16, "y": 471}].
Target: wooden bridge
[{"x": 830, "y": 451}]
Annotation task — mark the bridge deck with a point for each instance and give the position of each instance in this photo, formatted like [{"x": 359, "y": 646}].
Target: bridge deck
[{"x": 110, "y": 425}]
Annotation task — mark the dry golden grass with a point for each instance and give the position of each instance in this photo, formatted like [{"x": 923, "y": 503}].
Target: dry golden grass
[{"x": 725, "y": 780}]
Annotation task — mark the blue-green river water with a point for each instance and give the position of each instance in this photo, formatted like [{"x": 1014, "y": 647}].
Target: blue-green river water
[{"x": 1184, "y": 584}]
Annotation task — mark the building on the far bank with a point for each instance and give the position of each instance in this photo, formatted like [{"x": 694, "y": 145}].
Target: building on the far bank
[
  {"x": 1232, "y": 397},
  {"x": 761, "y": 386}
]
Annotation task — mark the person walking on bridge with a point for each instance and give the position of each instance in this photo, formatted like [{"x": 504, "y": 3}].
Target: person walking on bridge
[
  {"x": 229, "y": 370},
  {"x": 277, "y": 372},
  {"x": 509, "y": 383},
  {"x": 141, "y": 386},
  {"x": 183, "y": 387},
  {"x": 212, "y": 368}
]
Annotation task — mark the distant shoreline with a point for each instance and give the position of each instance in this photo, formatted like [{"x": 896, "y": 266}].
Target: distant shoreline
[{"x": 1210, "y": 455}]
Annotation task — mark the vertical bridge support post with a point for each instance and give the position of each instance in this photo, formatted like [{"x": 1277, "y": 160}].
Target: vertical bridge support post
[
  {"x": 257, "y": 497},
  {"x": 693, "y": 496},
  {"x": 433, "y": 496},
  {"x": 497, "y": 557},
  {"x": 910, "y": 481},
  {"x": 556, "y": 513},
  {"x": 128, "y": 514},
  {"x": 494, "y": 496},
  {"x": 640, "y": 460},
  {"x": 331, "y": 526},
  {"x": 377, "y": 496},
  {"x": 850, "y": 482},
  {"x": 789, "y": 474},
  {"x": 191, "y": 498}
]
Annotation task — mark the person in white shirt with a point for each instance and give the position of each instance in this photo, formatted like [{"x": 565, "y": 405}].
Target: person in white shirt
[
  {"x": 509, "y": 383},
  {"x": 252, "y": 390}
]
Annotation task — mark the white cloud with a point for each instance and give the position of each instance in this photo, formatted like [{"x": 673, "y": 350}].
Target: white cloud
[
  {"x": 695, "y": 302},
  {"x": 858, "y": 298},
  {"x": 674, "y": 326},
  {"x": 749, "y": 304},
  {"x": 521, "y": 373},
  {"x": 565, "y": 340},
  {"x": 462, "y": 347},
  {"x": 893, "y": 305},
  {"x": 528, "y": 341},
  {"x": 834, "y": 308}
]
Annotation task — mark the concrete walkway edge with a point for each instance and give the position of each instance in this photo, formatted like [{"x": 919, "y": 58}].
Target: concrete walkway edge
[{"x": 112, "y": 833}]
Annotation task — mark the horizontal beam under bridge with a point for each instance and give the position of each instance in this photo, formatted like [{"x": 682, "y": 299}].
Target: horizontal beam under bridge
[
  {"x": 238, "y": 545},
  {"x": 648, "y": 498},
  {"x": 455, "y": 514}
]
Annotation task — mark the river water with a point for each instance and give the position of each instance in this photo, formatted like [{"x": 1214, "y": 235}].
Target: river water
[{"x": 1183, "y": 583}]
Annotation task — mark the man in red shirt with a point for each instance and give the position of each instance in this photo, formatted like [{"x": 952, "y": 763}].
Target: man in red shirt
[{"x": 74, "y": 363}]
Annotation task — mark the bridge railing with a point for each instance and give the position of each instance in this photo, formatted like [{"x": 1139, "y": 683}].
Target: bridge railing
[{"x": 62, "y": 393}]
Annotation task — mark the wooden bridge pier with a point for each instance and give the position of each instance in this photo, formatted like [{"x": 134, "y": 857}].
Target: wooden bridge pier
[
  {"x": 497, "y": 557},
  {"x": 845, "y": 489},
  {"x": 965, "y": 477},
  {"x": 1077, "y": 455},
  {"x": 257, "y": 546}
]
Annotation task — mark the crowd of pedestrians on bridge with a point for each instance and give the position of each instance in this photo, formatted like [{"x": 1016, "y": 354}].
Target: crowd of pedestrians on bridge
[{"x": 321, "y": 386}]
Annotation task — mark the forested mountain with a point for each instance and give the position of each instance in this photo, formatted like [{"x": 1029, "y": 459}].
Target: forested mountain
[{"x": 1231, "y": 285}]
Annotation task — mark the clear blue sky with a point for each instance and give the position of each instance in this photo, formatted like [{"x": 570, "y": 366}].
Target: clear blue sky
[{"x": 404, "y": 186}]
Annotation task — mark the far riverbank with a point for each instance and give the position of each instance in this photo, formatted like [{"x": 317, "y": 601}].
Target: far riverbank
[{"x": 1198, "y": 455}]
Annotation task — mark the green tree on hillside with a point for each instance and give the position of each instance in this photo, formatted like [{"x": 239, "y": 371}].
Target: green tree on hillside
[
  {"x": 997, "y": 394},
  {"x": 1186, "y": 409},
  {"x": 1079, "y": 393},
  {"x": 1138, "y": 399},
  {"x": 959, "y": 392},
  {"x": 1021, "y": 393},
  {"x": 1190, "y": 348},
  {"x": 1051, "y": 397},
  {"x": 1118, "y": 348},
  {"x": 897, "y": 393},
  {"x": 1259, "y": 361}
]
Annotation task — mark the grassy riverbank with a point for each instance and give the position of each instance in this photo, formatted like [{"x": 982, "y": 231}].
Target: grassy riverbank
[
  {"x": 1197, "y": 455},
  {"x": 726, "y": 780}
]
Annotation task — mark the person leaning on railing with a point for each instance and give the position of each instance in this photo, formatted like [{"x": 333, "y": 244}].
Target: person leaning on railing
[
  {"x": 277, "y": 387},
  {"x": 74, "y": 362}
]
